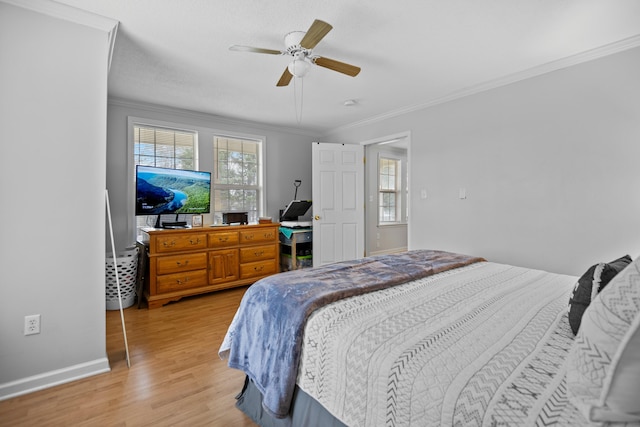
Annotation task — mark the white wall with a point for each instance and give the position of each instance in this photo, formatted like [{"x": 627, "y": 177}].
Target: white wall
[
  {"x": 287, "y": 155},
  {"x": 549, "y": 164},
  {"x": 53, "y": 86}
]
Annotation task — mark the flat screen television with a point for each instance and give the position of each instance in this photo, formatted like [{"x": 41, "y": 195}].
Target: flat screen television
[{"x": 161, "y": 191}]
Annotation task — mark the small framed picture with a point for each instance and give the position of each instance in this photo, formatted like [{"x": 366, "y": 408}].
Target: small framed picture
[{"x": 196, "y": 221}]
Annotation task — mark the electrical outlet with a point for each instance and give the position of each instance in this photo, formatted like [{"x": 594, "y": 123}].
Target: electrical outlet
[{"x": 32, "y": 324}]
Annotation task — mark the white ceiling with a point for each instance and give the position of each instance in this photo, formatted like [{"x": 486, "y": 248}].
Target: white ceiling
[{"x": 413, "y": 53}]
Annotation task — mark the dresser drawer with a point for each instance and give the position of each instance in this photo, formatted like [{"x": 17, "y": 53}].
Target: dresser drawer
[
  {"x": 257, "y": 269},
  {"x": 258, "y": 253},
  {"x": 180, "y": 242},
  {"x": 223, "y": 239},
  {"x": 177, "y": 263},
  {"x": 261, "y": 235},
  {"x": 179, "y": 281}
]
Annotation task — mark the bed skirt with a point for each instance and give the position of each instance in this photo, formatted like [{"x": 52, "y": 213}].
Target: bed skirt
[{"x": 305, "y": 411}]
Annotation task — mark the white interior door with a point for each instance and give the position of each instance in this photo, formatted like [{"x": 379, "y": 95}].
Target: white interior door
[{"x": 338, "y": 202}]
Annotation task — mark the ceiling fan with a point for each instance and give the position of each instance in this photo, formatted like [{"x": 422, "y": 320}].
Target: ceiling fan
[{"x": 299, "y": 45}]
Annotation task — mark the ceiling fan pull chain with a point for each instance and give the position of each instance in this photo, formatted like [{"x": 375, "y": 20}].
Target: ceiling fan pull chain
[{"x": 295, "y": 98}]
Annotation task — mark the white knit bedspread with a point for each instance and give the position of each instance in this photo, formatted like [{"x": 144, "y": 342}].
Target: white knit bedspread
[{"x": 477, "y": 346}]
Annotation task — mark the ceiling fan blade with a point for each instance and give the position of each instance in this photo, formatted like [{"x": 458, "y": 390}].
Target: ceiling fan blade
[
  {"x": 285, "y": 78},
  {"x": 315, "y": 33},
  {"x": 255, "y": 49},
  {"x": 341, "y": 67}
]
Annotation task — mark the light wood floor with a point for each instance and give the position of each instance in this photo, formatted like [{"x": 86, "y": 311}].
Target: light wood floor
[{"x": 176, "y": 377}]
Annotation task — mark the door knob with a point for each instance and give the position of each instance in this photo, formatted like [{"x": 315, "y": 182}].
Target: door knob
[{"x": 317, "y": 217}]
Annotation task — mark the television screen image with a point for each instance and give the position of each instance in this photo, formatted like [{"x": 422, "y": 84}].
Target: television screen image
[{"x": 172, "y": 191}]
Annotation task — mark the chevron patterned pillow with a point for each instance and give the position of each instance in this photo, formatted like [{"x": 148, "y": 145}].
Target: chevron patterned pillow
[{"x": 603, "y": 371}]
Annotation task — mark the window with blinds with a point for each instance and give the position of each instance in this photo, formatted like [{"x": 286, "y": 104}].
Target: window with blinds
[
  {"x": 388, "y": 190},
  {"x": 237, "y": 182},
  {"x": 166, "y": 148}
]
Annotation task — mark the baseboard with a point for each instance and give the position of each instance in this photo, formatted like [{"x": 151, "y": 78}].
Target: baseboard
[
  {"x": 53, "y": 378},
  {"x": 389, "y": 251}
]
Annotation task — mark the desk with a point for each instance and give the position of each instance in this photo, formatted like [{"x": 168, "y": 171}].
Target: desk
[{"x": 296, "y": 248}]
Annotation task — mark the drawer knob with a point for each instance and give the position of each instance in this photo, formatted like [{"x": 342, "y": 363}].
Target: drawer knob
[
  {"x": 259, "y": 253},
  {"x": 260, "y": 268},
  {"x": 268, "y": 235},
  {"x": 195, "y": 242},
  {"x": 180, "y": 282},
  {"x": 223, "y": 239},
  {"x": 248, "y": 236},
  {"x": 180, "y": 263},
  {"x": 167, "y": 244}
]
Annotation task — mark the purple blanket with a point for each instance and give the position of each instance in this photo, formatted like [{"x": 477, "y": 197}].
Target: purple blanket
[{"x": 265, "y": 337}]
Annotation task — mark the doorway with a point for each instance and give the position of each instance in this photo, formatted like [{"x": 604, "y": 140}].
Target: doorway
[{"x": 386, "y": 194}]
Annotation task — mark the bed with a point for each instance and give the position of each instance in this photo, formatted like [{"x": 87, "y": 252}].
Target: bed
[{"x": 433, "y": 338}]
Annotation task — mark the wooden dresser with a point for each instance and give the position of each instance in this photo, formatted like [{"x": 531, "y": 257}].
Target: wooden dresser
[{"x": 183, "y": 262}]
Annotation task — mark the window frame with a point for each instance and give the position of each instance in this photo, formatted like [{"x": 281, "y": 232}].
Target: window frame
[
  {"x": 397, "y": 192},
  {"x": 259, "y": 186},
  {"x": 132, "y": 122}
]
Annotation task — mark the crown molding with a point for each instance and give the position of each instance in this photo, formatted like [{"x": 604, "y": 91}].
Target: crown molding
[
  {"x": 208, "y": 117},
  {"x": 68, "y": 13},
  {"x": 589, "y": 55}
]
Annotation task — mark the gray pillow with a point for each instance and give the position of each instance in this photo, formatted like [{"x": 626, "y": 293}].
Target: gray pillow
[{"x": 589, "y": 285}]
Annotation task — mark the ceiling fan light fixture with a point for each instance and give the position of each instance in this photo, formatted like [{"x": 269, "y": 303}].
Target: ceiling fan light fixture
[
  {"x": 298, "y": 67},
  {"x": 299, "y": 45},
  {"x": 293, "y": 39}
]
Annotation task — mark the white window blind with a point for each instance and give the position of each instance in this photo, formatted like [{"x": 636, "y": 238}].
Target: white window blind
[{"x": 167, "y": 148}]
